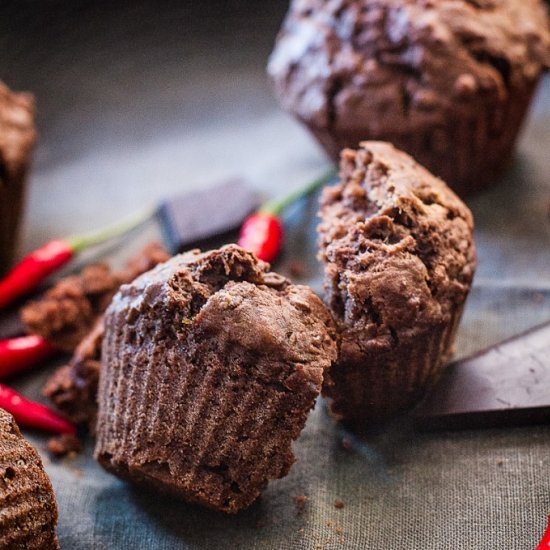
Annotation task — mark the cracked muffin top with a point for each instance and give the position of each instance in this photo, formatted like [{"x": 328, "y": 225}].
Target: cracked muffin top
[
  {"x": 224, "y": 290},
  {"x": 396, "y": 242},
  {"x": 343, "y": 61}
]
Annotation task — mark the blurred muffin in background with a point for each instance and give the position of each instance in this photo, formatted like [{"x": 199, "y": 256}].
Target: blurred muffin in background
[
  {"x": 17, "y": 137},
  {"x": 449, "y": 82}
]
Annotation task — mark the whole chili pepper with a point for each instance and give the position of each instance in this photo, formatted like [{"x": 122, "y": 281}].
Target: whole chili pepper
[
  {"x": 32, "y": 414},
  {"x": 262, "y": 232},
  {"x": 544, "y": 544},
  {"x": 41, "y": 263},
  {"x": 22, "y": 353}
]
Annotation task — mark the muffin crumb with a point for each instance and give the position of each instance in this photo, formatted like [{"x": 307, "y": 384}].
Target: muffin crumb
[
  {"x": 72, "y": 388},
  {"x": 297, "y": 269},
  {"x": 64, "y": 445}
]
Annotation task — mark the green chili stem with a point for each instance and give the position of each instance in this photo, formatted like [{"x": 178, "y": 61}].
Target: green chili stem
[
  {"x": 81, "y": 242},
  {"x": 276, "y": 206}
]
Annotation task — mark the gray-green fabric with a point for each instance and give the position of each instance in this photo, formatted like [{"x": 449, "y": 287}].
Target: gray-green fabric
[{"x": 136, "y": 102}]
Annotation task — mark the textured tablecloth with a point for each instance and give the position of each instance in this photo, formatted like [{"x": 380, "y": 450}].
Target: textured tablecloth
[{"x": 140, "y": 99}]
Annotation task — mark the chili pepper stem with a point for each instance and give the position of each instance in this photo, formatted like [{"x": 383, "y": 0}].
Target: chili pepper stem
[
  {"x": 276, "y": 206},
  {"x": 81, "y": 242}
]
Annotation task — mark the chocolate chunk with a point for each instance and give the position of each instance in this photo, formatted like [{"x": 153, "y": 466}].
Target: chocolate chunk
[
  {"x": 197, "y": 219},
  {"x": 505, "y": 385}
]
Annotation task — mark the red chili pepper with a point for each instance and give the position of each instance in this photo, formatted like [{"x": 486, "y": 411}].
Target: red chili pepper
[
  {"x": 31, "y": 414},
  {"x": 44, "y": 261},
  {"x": 22, "y": 353},
  {"x": 544, "y": 544},
  {"x": 33, "y": 269},
  {"x": 262, "y": 232}
]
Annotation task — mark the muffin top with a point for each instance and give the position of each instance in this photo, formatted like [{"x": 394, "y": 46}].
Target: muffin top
[
  {"x": 17, "y": 133},
  {"x": 397, "y": 244},
  {"x": 232, "y": 295},
  {"x": 345, "y": 63}
]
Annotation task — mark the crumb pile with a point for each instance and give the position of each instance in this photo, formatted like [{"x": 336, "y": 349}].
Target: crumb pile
[{"x": 68, "y": 312}]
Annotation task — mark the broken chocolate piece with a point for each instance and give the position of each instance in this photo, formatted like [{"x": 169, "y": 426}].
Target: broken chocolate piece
[
  {"x": 507, "y": 384},
  {"x": 196, "y": 219}
]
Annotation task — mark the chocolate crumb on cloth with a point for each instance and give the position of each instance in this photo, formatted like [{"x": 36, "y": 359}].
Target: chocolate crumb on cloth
[
  {"x": 63, "y": 445},
  {"x": 67, "y": 312},
  {"x": 210, "y": 365},
  {"x": 73, "y": 387},
  {"x": 28, "y": 510},
  {"x": 447, "y": 81},
  {"x": 17, "y": 137},
  {"x": 399, "y": 258}
]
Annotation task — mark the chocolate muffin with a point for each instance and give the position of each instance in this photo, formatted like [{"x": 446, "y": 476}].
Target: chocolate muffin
[
  {"x": 399, "y": 258},
  {"x": 28, "y": 511},
  {"x": 210, "y": 364},
  {"x": 449, "y": 82},
  {"x": 17, "y": 136}
]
